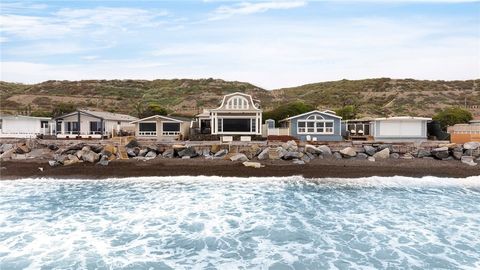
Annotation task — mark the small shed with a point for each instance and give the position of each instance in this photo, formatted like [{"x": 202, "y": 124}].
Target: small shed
[
  {"x": 21, "y": 126},
  {"x": 162, "y": 128},
  {"x": 400, "y": 128},
  {"x": 314, "y": 126}
]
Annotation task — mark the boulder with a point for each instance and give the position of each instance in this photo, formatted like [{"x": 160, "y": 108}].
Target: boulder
[
  {"x": 22, "y": 148},
  {"x": 448, "y": 145},
  {"x": 395, "y": 155},
  {"x": 290, "y": 146},
  {"x": 361, "y": 156},
  {"x": 326, "y": 151},
  {"x": 131, "y": 152},
  {"x": 407, "y": 156},
  {"x": 69, "y": 157},
  {"x": 457, "y": 153},
  {"x": 52, "y": 147},
  {"x": 215, "y": 148},
  {"x": 471, "y": 145},
  {"x": 103, "y": 161},
  {"x": 276, "y": 153},
  {"x": 421, "y": 153},
  {"x": 292, "y": 155},
  {"x": 311, "y": 149},
  {"x": 348, "y": 152},
  {"x": 7, "y": 154},
  {"x": 151, "y": 155},
  {"x": 306, "y": 158},
  {"x": 79, "y": 154},
  {"x": 143, "y": 152},
  {"x": 73, "y": 148},
  {"x": 440, "y": 153},
  {"x": 186, "y": 157},
  {"x": 370, "y": 150},
  {"x": 337, "y": 155},
  {"x": 221, "y": 153},
  {"x": 169, "y": 153},
  {"x": 97, "y": 148},
  {"x": 187, "y": 152},
  {"x": 62, "y": 158},
  {"x": 90, "y": 156},
  {"x": 239, "y": 157},
  {"x": 298, "y": 162},
  {"x": 206, "y": 153},
  {"x": 253, "y": 164},
  {"x": 385, "y": 146},
  {"x": 383, "y": 154},
  {"x": 371, "y": 159},
  {"x": 5, "y": 147},
  {"x": 68, "y": 162},
  {"x": 86, "y": 148},
  {"x": 109, "y": 150},
  {"x": 468, "y": 160},
  {"x": 310, "y": 156},
  {"x": 264, "y": 154},
  {"x": 54, "y": 163},
  {"x": 133, "y": 143}
]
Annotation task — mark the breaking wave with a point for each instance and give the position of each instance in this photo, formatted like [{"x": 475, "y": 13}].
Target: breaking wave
[{"x": 231, "y": 223}]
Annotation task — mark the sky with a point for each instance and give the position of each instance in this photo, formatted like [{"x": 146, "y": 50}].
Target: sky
[{"x": 271, "y": 44}]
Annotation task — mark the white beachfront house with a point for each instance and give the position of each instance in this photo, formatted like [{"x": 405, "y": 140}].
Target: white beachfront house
[
  {"x": 21, "y": 126},
  {"x": 162, "y": 128},
  {"x": 400, "y": 128},
  {"x": 92, "y": 124},
  {"x": 238, "y": 115}
]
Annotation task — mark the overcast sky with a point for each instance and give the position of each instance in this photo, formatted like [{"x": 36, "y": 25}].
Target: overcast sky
[{"x": 271, "y": 44}]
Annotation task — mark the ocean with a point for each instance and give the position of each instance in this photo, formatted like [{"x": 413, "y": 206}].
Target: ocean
[{"x": 240, "y": 223}]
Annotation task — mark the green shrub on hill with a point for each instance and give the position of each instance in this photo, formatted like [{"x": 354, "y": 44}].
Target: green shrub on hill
[
  {"x": 451, "y": 116},
  {"x": 287, "y": 110}
]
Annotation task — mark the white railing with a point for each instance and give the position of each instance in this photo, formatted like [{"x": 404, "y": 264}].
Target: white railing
[
  {"x": 278, "y": 131},
  {"x": 147, "y": 133},
  {"x": 171, "y": 133}
]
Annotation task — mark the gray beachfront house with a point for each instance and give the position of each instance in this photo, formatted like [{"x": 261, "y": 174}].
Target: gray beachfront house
[{"x": 314, "y": 126}]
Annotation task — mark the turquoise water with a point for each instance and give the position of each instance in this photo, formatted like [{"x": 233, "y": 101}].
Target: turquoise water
[{"x": 228, "y": 223}]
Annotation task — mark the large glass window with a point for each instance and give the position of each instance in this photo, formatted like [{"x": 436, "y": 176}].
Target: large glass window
[
  {"x": 301, "y": 127},
  {"x": 96, "y": 127},
  {"x": 147, "y": 127},
  {"x": 72, "y": 127},
  {"x": 236, "y": 125},
  {"x": 171, "y": 127},
  {"x": 315, "y": 126}
]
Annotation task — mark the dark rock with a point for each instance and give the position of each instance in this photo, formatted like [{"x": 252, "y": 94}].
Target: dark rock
[
  {"x": 440, "y": 153},
  {"x": 54, "y": 163},
  {"x": 384, "y": 146},
  {"x": 311, "y": 149},
  {"x": 187, "y": 152},
  {"x": 103, "y": 161},
  {"x": 221, "y": 153},
  {"x": 337, "y": 155},
  {"x": 132, "y": 144},
  {"x": 264, "y": 154},
  {"x": 131, "y": 152},
  {"x": 326, "y": 151},
  {"x": 90, "y": 156},
  {"x": 292, "y": 155},
  {"x": 423, "y": 153},
  {"x": 169, "y": 153},
  {"x": 457, "y": 153},
  {"x": 22, "y": 148},
  {"x": 52, "y": 147},
  {"x": 97, "y": 148},
  {"x": 75, "y": 147},
  {"x": 361, "y": 156},
  {"x": 370, "y": 150},
  {"x": 395, "y": 155},
  {"x": 143, "y": 152},
  {"x": 151, "y": 155}
]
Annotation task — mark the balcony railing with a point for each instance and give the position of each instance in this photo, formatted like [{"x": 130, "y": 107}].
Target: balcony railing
[
  {"x": 147, "y": 133},
  {"x": 171, "y": 133}
]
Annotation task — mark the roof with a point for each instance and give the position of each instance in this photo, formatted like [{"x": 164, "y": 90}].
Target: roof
[
  {"x": 363, "y": 119},
  {"x": 205, "y": 113},
  {"x": 245, "y": 95},
  {"x": 402, "y": 118},
  {"x": 170, "y": 118},
  {"x": 327, "y": 112},
  {"x": 103, "y": 115},
  {"x": 25, "y": 117}
]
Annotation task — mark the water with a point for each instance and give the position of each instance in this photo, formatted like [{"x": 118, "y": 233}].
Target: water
[{"x": 227, "y": 223}]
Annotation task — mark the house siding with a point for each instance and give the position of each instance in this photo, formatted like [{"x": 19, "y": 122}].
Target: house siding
[
  {"x": 380, "y": 134},
  {"x": 336, "y": 136}
]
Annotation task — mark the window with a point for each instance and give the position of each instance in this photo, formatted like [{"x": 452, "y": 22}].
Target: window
[
  {"x": 301, "y": 127},
  {"x": 220, "y": 124},
  {"x": 1, "y": 122},
  {"x": 235, "y": 125},
  {"x": 254, "y": 125},
  {"x": 171, "y": 128},
  {"x": 95, "y": 127},
  {"x": 72, "y": 127},
  {"x": 147, "y": 129},
  {"x": 237, "y": 103},
  {"x": 315, "y": 124},
  {"x": 43, "y": 124}
]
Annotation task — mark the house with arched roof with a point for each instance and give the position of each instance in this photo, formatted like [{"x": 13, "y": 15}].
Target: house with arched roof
[{"x": 314, "y": 126}]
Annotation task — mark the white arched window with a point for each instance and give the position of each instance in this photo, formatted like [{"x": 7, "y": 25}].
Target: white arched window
[
  {"x": 237, "y": 103},
  {"x": 315, "y": 124}
]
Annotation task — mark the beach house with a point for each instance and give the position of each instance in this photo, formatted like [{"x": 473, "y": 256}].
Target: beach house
[
  {"x": 91, "y": 124},
  {"x": 462, "y": 133},
  {"x": 400, "y": 128},
  {"x": 162, "y": 128},
  {"x": 314, "y": 126},
  {"x": 239, "y": 115},
  {"x": 358, "y": 129},
  {"x": 21, "y": 126}
]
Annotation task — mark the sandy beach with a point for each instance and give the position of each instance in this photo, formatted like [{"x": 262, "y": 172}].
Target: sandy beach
[{"x": 319, "y": 168}]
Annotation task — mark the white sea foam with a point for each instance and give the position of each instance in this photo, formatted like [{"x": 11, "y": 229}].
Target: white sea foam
[{"x": 230, "y": 223}]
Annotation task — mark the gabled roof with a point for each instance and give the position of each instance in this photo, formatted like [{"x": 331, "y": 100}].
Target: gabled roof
[
  {"x": 327, "y": 112},
  {"x": 402, "y": 118},
  {"x": 169, "y": 118},
  {"x": 247, "y": 96},
  {"x": 102, "y": 115}
]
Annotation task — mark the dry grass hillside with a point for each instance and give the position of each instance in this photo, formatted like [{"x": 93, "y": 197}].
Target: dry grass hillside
[{"x": 373, "y": 97}]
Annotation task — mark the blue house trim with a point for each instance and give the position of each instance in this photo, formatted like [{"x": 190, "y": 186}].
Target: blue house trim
[{"x": 315, "y": 116}]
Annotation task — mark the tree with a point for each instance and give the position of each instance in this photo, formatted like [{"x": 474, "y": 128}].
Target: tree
[
  {"x": 451, "y": 116},
  {"x": 63, "y": 108},
  {"x": 287, "y": 110},
  {"x": 347, "y": 112},
  {"x": 151, "y": 109}
]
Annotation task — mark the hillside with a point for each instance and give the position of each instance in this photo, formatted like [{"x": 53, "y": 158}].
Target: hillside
[{"x": 373, "y": 97}]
